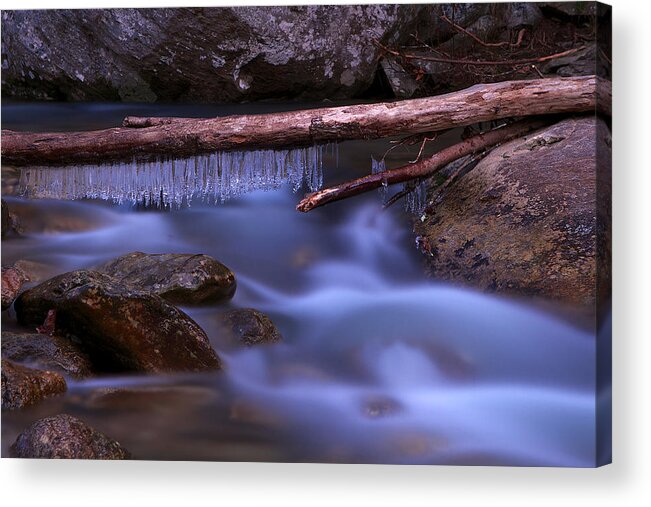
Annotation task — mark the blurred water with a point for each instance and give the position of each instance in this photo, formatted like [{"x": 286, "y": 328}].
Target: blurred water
[{"x": 379, "y": 363}]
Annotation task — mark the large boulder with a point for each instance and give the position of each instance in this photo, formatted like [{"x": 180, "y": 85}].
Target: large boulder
[
  {"x": 46, "y": 352},
  {"x": 65, "y": 437},
  {"x": 525, "y": 221},
  {"x": 121, "y": 328},
  {"x": 182, "y": 279},
  {"x": 22, "y": 386},
  {"x": 197, "y": 54}
]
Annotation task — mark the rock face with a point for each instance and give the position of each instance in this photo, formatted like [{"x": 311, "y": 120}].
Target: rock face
[
  {"x": 524, "y": 220},
  {"x": 198, "y": 54},
  {"x": 46, "y": 352},
  {"x": 12, "y": 281},
  {"x": 65, "y": 437},
  {"x": 121, "y": 328},
  {"x": 249, "y": 327},
  {"x": 22, "y": 386},
  {"x": 182, "y": 279}
]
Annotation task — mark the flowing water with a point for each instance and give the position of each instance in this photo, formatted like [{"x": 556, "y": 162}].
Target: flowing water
[{"x": 379, "y": 363}]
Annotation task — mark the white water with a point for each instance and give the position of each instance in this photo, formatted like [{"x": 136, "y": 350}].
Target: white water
[{"x": 470, "y": 377}]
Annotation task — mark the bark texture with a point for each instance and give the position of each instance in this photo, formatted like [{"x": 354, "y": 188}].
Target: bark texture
[{"x": 186, "y": 137}]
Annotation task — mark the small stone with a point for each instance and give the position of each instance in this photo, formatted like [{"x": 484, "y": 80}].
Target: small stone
[
  {"x": 22, "y": 386},
  {"x": 65, "y": 437},
  {"x": 249, "y": 327},
  {"x": 53, "y": 353},
  {"x": 376, "y": 407},
  {"x": 12, "y": 281}
]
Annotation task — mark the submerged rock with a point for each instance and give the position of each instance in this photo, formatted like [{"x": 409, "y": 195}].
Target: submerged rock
[
  {"x": 22, "y": 386},
  {"x": 525, "y": 220},
  {"x": 46, "y": 352},
  {"x": 121, "y": 328},
  {"x": 197, "y": 54},
  {"x": 249, "y": 327},
  {"x": 12, "y": 281},
  {"x": 65, "y": 437},
  {"x": 182, "y": 279}
]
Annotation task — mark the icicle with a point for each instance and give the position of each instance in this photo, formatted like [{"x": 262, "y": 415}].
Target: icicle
[
  {"x": 378, "y": 166},
  {"x": 162, "y": 183},
  {"x": 415, "y": 201}
]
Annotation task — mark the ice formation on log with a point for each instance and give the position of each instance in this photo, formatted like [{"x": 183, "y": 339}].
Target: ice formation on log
[
  {"x": 415, "y": 200},
  {"x": 212, "y": 178}
]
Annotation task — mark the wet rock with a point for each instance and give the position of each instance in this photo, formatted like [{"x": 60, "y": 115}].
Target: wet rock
[
  {"x": 36, "y": 216},
  {"x": 524, "y": 220},
  {"x": 65, "y": 437},
  {"x": 119, "y": 327},
  {"x": 22, "y": 386},
  {"x": 12, "y": 281},
  {"x": 46, "y": 352},
  {"x": 35, "y": 271},
  {"x": 249, "y": 327},
  {"x": 376, "y": 407},
  {"x": 183, "y": 279},
  {"x": 197, "y": 54}
]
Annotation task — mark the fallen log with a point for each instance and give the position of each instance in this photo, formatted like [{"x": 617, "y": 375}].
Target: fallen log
[
  {"x": 420, "y": 169},
  {"x": 181, "y": 137}
]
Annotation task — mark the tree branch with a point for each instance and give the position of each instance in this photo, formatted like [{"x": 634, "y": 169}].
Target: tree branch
[{"x": 421, "y": 169}]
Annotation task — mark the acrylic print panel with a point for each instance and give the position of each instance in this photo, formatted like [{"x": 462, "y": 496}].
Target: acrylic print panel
[{"x": 343, "y": 234}]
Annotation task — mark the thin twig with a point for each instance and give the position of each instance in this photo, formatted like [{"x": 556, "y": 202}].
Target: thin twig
[
  {"x": 462, "y": 30},
  {"x": 477, "y": 62},
  {"x": 422, "y": 146}
]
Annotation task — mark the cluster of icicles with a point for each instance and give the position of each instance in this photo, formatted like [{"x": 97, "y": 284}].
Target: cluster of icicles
[
  {"x": 415, "y": 199},
  {"x": 213, "y": 178}
]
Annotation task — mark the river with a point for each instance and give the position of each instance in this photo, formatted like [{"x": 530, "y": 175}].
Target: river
[{"x": 379, "y": 363}]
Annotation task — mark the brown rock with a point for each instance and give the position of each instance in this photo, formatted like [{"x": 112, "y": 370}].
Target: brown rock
[
  {"x": 35, "y": 271},
  {"x": 65, "y": 437},
  {"x": 183, "y": 279},
  {"x": 12, "y": 281},
  {"x": 524, "y": 220},
  {"x": 22, "y": 386},
  {"x": 119, "y": 327},
  {"x": 46, "y": 352},
  {"x": 249, "y": 327}
]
